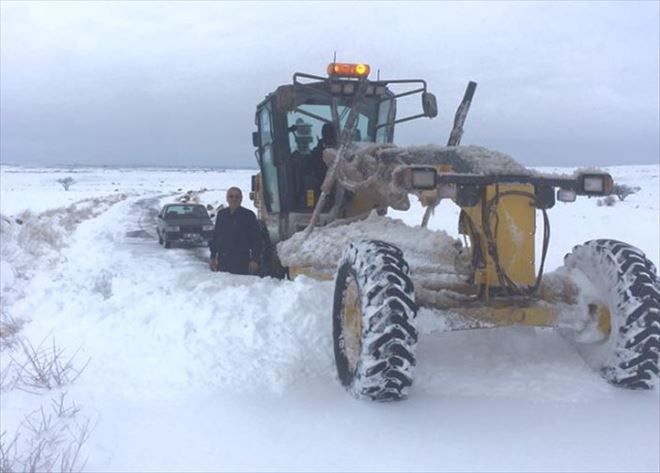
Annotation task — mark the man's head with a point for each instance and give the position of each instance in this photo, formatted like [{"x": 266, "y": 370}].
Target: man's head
[{"x": 234, "y": 198}]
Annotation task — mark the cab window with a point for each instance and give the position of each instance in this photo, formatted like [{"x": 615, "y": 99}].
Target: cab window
[
  {"x": 308, "y": 126},
  {"x": 384, "y": 110},
  {"x": 271, "y": 188}
]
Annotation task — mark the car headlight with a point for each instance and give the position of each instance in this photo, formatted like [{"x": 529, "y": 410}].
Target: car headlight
[
  {"x": 172, "y": 228},
  {"x": 207, "y": 228}
]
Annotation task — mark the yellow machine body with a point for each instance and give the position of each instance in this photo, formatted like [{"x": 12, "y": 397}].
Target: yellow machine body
[{"x": 511, "y": 217}]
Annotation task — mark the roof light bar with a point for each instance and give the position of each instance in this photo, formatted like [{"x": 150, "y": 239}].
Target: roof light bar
[{"x": 341, "y": 69}]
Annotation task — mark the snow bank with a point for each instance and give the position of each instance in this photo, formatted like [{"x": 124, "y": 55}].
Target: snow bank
[
  {"x": 150, "y": 331},
  {"x": 7, "y": 275}
]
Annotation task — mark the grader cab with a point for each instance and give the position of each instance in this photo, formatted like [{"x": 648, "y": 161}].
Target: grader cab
[
  {"x": 333, "y": 225},
  {"x": 292, "y": 119}
]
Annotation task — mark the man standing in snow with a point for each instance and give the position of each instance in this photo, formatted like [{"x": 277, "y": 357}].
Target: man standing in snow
[{"x": 236, "y": 245}]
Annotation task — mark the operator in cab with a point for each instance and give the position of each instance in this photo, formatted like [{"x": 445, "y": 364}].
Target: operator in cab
[
  {"x": 328, "y": 140},
  {"x": 236, "y": 245}
]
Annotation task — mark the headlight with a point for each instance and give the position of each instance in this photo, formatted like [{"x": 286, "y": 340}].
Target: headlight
[
  {"x": 207, "y": 228},
  {"x": 593, "y": 184},
  {"x": 596, "y": 184},
  {"x": 566, "y": 195},
  {"x": 418, "y": 178},
  {"x": 423, "y": 178},
  {"x": 172, "y": 228}
]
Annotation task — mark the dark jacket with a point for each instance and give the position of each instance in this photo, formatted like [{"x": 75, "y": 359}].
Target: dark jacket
[
  {"x": 318, "y": 166},
  {"x": 236, "y": 240}
]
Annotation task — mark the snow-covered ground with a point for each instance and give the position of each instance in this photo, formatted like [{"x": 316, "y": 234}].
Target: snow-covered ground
[{"x": 181, "y": 369}]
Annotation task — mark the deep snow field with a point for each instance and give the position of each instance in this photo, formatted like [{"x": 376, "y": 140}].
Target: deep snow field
[{"x": 175, "y": 368}]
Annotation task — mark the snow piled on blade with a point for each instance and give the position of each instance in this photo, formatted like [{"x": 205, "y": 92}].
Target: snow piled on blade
[
  {"x": 464, "y": 159},
  {"x": 425, "y": 250},
  {"x": 371, "y": 169}
]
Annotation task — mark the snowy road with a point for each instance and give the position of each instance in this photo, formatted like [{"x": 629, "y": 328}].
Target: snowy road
[{"x": 199, "y": 371}]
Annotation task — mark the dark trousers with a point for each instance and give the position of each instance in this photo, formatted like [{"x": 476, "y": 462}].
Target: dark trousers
[{"x": 233, "y": 265}]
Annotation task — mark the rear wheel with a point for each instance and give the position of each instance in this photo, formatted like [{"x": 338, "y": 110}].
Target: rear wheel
[
  {"x": 166, "y": 243},
  {"x": 373, "y": 322},
  {"x": 160, "y": 240},
  {"x": 621, "y": 296}
]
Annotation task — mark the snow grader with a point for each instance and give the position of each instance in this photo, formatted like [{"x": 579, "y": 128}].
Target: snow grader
[{"x": 333, "y": 224}]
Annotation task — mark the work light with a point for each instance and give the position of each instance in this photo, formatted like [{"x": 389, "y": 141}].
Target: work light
[
  {"x": 596, "y": 184},
  {"x": 423, "y": 178},
  {"x": 566, "y": 195}
]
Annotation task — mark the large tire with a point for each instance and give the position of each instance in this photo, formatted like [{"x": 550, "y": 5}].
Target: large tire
[
  {"x": 373, "y": 322},
  {"x": 627, "y": 283}
]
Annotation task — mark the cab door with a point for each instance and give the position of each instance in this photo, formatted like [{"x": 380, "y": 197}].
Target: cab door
[{"x": 267, "y": 162}]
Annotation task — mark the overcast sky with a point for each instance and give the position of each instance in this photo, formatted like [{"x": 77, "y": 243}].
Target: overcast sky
[{"x": 176, "y": 83}]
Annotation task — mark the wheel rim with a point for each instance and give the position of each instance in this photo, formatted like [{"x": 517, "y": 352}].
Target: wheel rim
[
  {"x": 600, "y": 314},
  {"x": 352, "y": 324},
  {"x": 597, "y": 326}
]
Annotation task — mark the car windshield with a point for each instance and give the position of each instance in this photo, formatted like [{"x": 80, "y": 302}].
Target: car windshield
[{"x": 186, "y": 211}]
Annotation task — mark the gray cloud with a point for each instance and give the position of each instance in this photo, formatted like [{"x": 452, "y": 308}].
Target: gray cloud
[{"x": 560, "y": 83}]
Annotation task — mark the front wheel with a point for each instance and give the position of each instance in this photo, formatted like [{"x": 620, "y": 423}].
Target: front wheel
[
  {"x": 373, "y": 322},
  {"x": 621, "y": 299}
]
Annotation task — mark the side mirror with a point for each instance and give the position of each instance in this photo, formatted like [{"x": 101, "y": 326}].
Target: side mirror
[
  {"x": 429, "y": 104},
  {"x": 255, "y": 139}
]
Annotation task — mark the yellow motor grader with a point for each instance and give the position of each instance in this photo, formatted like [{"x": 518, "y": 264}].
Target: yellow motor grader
[{"x": 328, "y": 173}]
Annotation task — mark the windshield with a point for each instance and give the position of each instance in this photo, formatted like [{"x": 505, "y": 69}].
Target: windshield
[
  {"x": 186, "y": 211},
  {"x": 310, "y": 118}
]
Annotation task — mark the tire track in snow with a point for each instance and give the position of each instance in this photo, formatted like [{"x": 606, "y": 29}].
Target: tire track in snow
[{"x": 147, "y": 210}]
